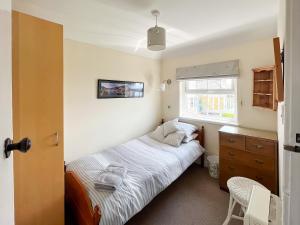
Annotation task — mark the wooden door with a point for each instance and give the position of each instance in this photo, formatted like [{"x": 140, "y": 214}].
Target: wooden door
[{"x": 38, "y": 115}]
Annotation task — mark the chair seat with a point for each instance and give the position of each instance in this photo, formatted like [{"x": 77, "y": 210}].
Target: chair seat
[{"x": 240, "y": 188}]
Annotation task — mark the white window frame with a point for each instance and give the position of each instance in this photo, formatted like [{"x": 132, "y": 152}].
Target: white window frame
[{"x": 211, "y": 119}]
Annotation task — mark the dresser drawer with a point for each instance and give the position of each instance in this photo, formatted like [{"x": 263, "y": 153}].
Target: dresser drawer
[
  {"x": 263, "y": 163},
  {"x": 230, "y": 169},
  {"x": 244, "y": 158},
  {"x": 233, "y": 141},
  {"x": 234, "y": 155},
  {"x": 260, "y": 146},
  {"x": 266, "y": 179}
]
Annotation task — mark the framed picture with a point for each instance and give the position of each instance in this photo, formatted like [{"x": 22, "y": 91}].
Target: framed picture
[{"x": 120, "y": 89}]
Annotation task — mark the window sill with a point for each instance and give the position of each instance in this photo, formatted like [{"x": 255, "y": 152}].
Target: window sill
[{"x": 205, "y": 120}]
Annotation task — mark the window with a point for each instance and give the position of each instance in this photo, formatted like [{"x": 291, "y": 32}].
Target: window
[{"x": 209, "y": 99}]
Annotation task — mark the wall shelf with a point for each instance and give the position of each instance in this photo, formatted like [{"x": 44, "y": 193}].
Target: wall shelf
[
  {"x": 267, "y": 94},
  {"x": 264, "y": 88},
  {"x": 263, "y": 80}
]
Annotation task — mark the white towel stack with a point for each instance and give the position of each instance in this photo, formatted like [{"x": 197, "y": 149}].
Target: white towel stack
[{"x": 111, "y": 178}]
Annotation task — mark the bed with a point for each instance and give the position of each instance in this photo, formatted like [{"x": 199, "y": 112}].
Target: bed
[{"x": 152, "y": 166}]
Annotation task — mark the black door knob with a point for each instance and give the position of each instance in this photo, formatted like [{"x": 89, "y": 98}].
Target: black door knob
[{"x": 22, "y": 146}]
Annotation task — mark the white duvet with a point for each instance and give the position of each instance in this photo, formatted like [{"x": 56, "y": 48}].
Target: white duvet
[{"x": 151, "y": 166}]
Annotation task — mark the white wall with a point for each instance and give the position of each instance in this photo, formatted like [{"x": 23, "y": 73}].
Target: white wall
[
  {"x": 6, "y": 165},
  {"x": 251, "y": 55},
  {"x": 93, "y": 124}
]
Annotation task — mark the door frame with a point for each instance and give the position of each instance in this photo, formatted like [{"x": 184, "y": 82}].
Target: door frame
[{"x": 6, "y": 165}]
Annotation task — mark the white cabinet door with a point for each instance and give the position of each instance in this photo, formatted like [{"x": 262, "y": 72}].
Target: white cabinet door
[{"x": 292, "y": 114}]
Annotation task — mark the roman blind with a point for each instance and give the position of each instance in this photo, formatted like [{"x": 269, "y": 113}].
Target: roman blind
[{"x": 212, "y": 70}]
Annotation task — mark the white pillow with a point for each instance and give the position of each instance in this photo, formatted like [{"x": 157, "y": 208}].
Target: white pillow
[
  {"x": 170, "y": 127},
  {"x": 189, "y": 129},
  {"x": 175, "y": 139},
  {"x": 187, "y": 139},
  {"x": 158, "y": 134}
]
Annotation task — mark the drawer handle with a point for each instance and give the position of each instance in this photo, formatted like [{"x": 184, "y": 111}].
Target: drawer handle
[
  {"x": 259, "y": 178},
  {"x": 231, "y": 154},
  {"x": 230, "y": 167},
  {"x": 231, "y": 140},
  {"x": 259, "y": 161},
  {"x": 259, "y": 146}
]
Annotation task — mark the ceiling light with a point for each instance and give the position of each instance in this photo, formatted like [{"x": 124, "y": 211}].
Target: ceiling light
[{"x": 156, "y": 35}]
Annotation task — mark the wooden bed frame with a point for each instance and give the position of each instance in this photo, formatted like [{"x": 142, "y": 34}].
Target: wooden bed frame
[{"x": 78, "y": 202}]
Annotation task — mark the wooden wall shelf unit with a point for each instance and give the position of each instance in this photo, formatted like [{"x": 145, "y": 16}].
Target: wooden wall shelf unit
[{"x": 264, "y": 87}]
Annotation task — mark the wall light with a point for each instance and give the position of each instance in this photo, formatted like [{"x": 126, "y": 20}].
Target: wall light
[{"x": 163, "y": 84}]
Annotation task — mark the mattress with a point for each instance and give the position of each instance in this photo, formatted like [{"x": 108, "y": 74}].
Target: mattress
[{"x": 152, "y": 166}]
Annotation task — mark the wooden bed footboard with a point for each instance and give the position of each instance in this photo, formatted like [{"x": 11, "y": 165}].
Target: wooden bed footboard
[{"x": 79, "y": 203}]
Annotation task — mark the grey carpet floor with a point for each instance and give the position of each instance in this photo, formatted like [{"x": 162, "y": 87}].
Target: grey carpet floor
[{"x": 193, "y": 199}]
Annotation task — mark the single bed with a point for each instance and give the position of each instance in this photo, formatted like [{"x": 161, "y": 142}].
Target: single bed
[{"x": 152, "y": 166}]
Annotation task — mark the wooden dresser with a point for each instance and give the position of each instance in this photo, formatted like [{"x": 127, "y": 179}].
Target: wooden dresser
[{"x": 249, "y": 153}]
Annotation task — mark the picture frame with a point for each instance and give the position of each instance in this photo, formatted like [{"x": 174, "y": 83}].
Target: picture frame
[{"x": 119, "y": 89}]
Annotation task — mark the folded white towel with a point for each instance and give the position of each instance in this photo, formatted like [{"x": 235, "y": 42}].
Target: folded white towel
[
  {"x": 110, "y": 178},
  {"x": 117, "y": 169}
]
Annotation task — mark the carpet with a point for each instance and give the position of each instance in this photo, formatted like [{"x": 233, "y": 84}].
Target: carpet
[{"x": 193, "y": 199}]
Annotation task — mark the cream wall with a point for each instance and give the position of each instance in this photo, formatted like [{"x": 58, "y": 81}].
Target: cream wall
[
  {"x": 93, "y": 124},
  {"x": 251, "y": 55},
  {"x": 6, "y": 165}
]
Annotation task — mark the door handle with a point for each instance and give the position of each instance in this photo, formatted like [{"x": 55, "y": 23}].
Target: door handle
[
  {"x": 56, "y": 138},
  {"x": 23, "y": 146},
  {"x": 292, "y": 148}
]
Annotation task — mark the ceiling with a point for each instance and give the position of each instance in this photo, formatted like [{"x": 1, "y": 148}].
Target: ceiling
[{"x": 122, "y": 24}]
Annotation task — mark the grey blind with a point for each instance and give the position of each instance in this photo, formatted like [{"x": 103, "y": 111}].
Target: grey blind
[{"x": 220, "y": 69}]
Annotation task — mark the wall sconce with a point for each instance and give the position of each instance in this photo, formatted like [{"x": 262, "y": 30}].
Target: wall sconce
[{"x": 163, "y": 84}]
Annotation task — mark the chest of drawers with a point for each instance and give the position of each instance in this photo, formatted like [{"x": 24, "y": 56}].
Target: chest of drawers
[{"x": 248, "y": 153}]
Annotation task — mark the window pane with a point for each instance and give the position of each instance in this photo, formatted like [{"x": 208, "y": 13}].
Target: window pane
[
  {"x": 214, "y": 84},
  {"x": 213, "y": 99},
  {"x": 196, "y": 84},
  {"x": 227, "y": 83},
  {"x": 209, "y": 84}
]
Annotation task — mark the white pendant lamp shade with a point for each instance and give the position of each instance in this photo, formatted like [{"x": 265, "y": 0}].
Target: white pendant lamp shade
[{"x": 156, "y": 36}]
